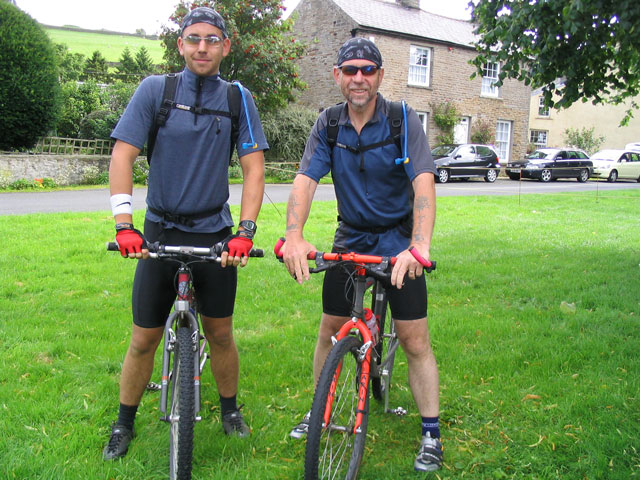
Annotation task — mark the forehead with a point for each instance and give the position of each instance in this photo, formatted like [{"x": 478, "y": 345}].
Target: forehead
[{"x": 202, "y": 29}]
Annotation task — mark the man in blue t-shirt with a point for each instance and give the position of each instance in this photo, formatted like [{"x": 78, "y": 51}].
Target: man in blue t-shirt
[
  {"x": 385, "y": 208},
  {"x": 186, "y": 205}
]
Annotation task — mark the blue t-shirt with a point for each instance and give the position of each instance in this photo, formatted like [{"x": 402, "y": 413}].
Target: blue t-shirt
[
  {"x": 371, "y": 189},
  {"x": 190, "y": 168}
]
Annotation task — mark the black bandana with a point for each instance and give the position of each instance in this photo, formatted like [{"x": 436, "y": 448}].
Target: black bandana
[
  {"x": 204, "y": 15},
  {"x": 359, "y": 48}
]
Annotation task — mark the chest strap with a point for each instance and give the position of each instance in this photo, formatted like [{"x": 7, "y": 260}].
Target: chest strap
[{"x": 186, "y": 220}]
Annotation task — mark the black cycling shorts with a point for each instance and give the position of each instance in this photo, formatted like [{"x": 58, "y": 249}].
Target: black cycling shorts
[
  {"x": 154, "y": 289},
  {"x": 408, "y": 303}
]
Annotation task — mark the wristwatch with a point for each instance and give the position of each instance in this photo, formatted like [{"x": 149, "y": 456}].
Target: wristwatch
[
  {"x": 249, "y": 228},
  {"x": 123, "y": 226}
]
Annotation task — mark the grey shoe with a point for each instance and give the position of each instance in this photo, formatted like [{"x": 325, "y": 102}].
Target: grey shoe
[
  {"x": 234, "y": 424},
  {"x": 118, "y": 442},
  {"x": 302, "y": 428},
  {"x": 430, "y": 455}
]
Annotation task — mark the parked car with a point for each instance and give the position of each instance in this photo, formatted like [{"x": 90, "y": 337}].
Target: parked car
[
  {"x": 546, "y": 164},
  {"x": 634, "y": 147},
  {"x": 615, "y": 164},
  {"x": 465, "y": 161}
]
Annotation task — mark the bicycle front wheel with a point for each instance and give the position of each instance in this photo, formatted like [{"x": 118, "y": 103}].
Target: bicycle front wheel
[
  {"x": 334, "y": 451},
  {"x": 182, "y": 417}
]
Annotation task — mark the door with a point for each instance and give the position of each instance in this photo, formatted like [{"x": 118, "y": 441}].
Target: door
[{"x": 461, "y": 131}]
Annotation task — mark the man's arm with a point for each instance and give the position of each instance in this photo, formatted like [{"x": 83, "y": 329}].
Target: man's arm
[
  {"x": 424, "y": 217},
  {"x": 296, "y": 248},
  {"x": 252, "y": 193}
]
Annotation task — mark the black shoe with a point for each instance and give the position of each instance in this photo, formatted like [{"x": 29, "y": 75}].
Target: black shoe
[
  {"x": 118, "y": 442},
  {"x": 234, "y": 424}
]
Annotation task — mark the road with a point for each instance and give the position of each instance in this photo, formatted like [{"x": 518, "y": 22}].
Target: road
[{"x": 20, "y": 203}]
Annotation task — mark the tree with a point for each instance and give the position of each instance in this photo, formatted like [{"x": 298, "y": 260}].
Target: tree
[
  {"x": 96, "y": 67},
  {"x": 263, "y": 52},
  {"x": 144, "y": 63},
  {"x": 29, "y": 89},
  {"x": 575, "y": 50},
  {"x": 127, "y": 66},
  {"x": 79, "y": 100},
  {"x": 584, "y": 139},
  {"x": 70, "y": 65}
]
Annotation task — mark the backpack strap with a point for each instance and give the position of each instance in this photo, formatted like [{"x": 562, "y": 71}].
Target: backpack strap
[
  {"x": 168, "y": 97},
  {"x": 333, "y": 116},
  {"x": 395, "y": 123}
]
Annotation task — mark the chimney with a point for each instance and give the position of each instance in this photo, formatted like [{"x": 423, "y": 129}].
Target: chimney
[{"x": 409, "y": 3}]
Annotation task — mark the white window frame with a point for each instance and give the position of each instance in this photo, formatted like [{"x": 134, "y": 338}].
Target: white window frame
[
  {"x": 542, "y": 110},
  {"x": 419, "y": 66},
  {"x": 490, "y": 74},
  {"x": 424, "y": 119},
  {"x": 503, "y": 139},
  {"x": 538, "y": 138}
]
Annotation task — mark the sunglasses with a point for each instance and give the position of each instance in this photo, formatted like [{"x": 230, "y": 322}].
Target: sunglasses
[
  {"x": 351, "y": 70},
  {"x": 209, "y": 39}
]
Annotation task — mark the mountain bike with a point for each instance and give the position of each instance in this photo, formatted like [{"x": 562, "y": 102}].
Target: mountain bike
[
  {"x": 184, "y": 353},
  {"x": 363, "y": 349}
]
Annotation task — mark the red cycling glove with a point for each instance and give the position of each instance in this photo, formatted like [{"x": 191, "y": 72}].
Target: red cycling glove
[
  {"x": 130, "y": 241},
  {"x": 239, "y": 246}
]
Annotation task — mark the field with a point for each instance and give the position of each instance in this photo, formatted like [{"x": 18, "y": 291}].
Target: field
[
  {"x": 534, "y": 315},
  {"x": 110, "y": 45}
]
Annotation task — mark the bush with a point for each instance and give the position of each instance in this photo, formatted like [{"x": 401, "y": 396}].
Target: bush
[
  {"x": 446, "y": 117},
  {"x": 482, "y": 133},
  {"x": 584, "y": 139},
  {"x": 287, "y": 131},
  {"x": 98, "y": 124},
  {"x": 29, "y": 90},
  {"x": 79, "y": 100},
  {"x": 140, "y": 172}
]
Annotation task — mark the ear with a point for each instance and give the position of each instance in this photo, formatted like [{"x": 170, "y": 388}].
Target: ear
[
  {"x": 336, "y": 75},
  {"x": 180, "y": 45},
  {"x": 381, "y": 75},
  {"x": 226, "y": 47}
]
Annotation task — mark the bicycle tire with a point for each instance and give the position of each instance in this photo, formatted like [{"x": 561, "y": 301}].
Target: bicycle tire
[
  {"x": 379, "y": 384},
  {"x": 182, "y": 408},
  {"x": 336, "y": 452}
]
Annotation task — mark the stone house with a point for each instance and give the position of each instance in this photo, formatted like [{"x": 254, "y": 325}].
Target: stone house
[
  {"x": 547, "y": 126},
  {"x": 426, "y": 61}
]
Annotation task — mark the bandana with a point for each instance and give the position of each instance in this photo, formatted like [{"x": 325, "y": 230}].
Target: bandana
[
  {"x": 204, "y": 15},
  {"x": 359, "y": 48}
]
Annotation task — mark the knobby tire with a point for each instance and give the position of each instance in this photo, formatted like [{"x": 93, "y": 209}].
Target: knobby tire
[
  {"x": 336, "y": 452},
  {"x": 182, "y": 408}
]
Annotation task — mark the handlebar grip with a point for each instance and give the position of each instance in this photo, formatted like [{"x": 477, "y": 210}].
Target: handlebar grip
[
  {"x": 113, "y": 247},
  {"x": 278, "y": 246},
  {"x": 256, "y": 252}
]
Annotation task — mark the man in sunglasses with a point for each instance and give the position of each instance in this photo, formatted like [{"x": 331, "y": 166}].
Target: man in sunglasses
[
  {"x": 186, "y": 205},
  {"x": 386, "y": 207}
]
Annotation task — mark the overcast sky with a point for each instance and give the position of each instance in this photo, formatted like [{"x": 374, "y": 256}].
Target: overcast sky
[{"x": 130, "y": 15}]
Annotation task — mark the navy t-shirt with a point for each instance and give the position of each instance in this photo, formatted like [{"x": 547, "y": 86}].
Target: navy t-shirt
[
  {"x": 189, "y": 171},
  {"x": 371, "y": 189}
]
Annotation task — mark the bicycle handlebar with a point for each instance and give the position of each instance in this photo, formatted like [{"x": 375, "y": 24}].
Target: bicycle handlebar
[
  {"x": 212, "y": 253},
  {"x": 357, "y": 258}
]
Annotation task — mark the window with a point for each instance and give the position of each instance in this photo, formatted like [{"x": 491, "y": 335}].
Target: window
[
  {"x": 503, "y": 138},
  {"x": 424, "y": 118},
  {"x": 538, "y": 138},
  {"x": 542, "y": 110},
  {"x": 420, "y": 66},
  {"x": 489, "y": 77}
]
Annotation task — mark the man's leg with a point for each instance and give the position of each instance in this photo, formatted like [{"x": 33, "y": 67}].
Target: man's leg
[
  {"x": 225, "y": 366},
  {"x": 329, "y": 326}
]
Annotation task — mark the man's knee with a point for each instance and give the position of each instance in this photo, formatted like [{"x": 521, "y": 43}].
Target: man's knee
[
  {"x": 144, "y": 341},
  {"x": 219, "y": 331}
]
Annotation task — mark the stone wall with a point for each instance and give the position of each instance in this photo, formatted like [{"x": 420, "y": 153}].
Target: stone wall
[{"x": 63, "y": 169}]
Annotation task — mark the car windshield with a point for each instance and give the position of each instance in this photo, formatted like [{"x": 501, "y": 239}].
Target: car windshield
[
  {"x": 611, "y": 155},
  {"x": 443, "y": 150},
  {"x": 541, "y": 154}
]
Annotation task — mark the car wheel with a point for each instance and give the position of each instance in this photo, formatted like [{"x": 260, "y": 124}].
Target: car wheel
[
  {"x": 491, "y": 176},
  {"x": 545, "y": 175},
  {"x": 443, "y": 175},
  {"x": 583, "y": 176},
  {"x": 513, "y": 176},
  {"x": 613, "y": 176}
]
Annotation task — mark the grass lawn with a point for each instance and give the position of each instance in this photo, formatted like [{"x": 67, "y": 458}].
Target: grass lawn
[{"x": 534, "y": 315}]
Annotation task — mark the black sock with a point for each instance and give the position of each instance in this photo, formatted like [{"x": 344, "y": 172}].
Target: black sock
[
  {"x": 127, "y": 415},
  {"x": 432, "y": 426},
  {"x": 228, "y": 405}
]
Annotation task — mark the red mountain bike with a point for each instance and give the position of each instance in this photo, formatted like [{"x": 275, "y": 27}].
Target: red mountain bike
[
  {"x": 340, "y": 410},
  {"x": 184, "y": 353}
]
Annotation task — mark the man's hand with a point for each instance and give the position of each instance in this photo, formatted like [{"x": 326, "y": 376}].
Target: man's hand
[
  {"x": 294, "y": 254},
  {"x": 406, "y": 264},
  {"x": 132, "y": 243},
  {"x": 236, "y": 251}
]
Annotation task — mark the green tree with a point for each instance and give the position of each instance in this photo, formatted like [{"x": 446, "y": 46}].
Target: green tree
[
  {"x": 71, "y": 65},
  {"x": 263, "y": 52},
  {"x": 29, "y": 89},
  {"x": 79, "y": 100},
  {"x": 144, "y": 63},
  {"x": 127, "y": 67},
  {"x": 585, "y": 139},
  {"x": 96, "y": 68},
  {"x": 593, "y": 46}
]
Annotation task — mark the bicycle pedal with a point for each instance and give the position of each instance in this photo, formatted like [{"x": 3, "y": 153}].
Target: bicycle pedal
[
  {"x": 153, "y": 386},
  {"x": 400, "y": 412}
]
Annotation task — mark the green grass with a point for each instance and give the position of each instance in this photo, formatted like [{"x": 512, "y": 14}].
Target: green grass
[
  {"x": 534, "y": 315},
  {"x": 110, "y": 45}
]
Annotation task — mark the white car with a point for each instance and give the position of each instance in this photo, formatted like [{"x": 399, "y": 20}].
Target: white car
[{"x": 615, "y": 164}]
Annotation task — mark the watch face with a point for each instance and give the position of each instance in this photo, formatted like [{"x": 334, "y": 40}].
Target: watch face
[{"x": 248, "y": 225}]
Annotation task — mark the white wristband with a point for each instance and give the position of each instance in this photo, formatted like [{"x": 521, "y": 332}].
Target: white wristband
[{"x": 121, "y": 203}]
